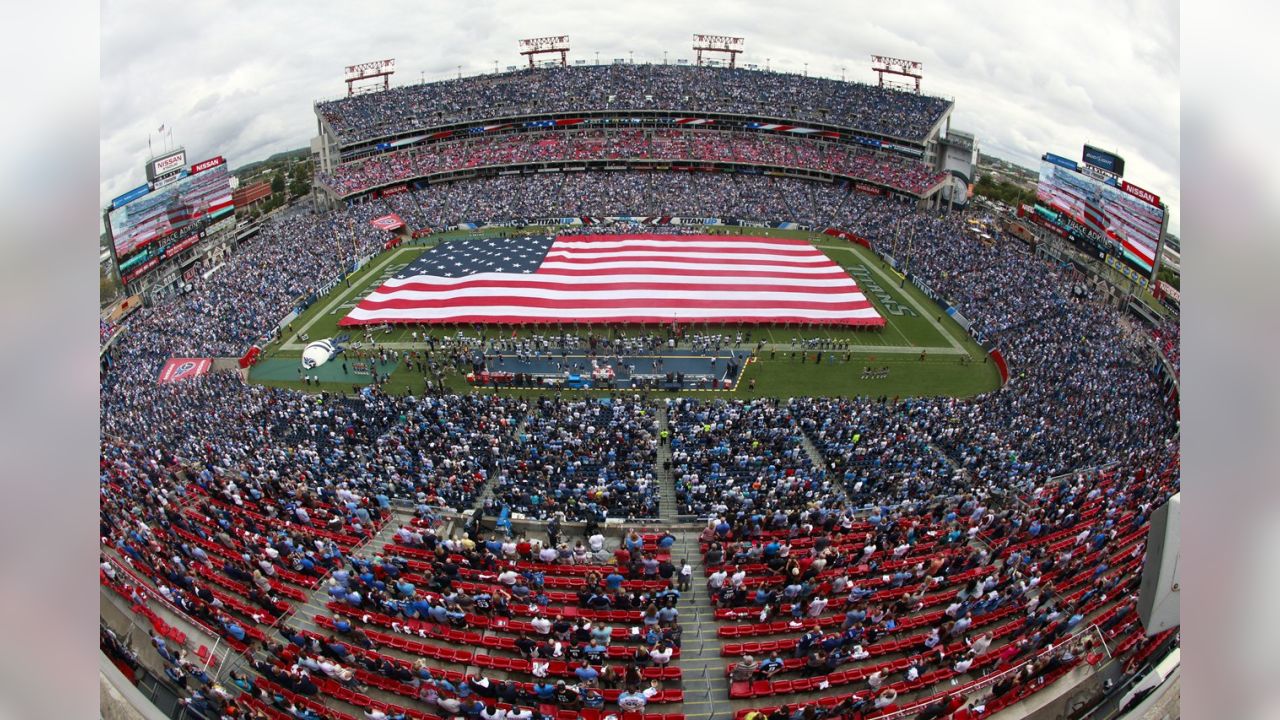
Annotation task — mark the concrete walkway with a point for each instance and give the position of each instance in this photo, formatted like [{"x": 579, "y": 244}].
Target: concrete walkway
[
  {"x": 668, "y": 509},
  {"x": 706, "y": 689}
]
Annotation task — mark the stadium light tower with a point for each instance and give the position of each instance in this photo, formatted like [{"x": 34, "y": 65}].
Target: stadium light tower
[
  {"x": 730, "y": 46},
  {"x": 530, "y": 47},
  {"x": 881, "y": 64},
  {"x": 369, "y": 71}
]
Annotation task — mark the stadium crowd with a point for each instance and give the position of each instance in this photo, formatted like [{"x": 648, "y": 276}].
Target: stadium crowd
[
  {"x": 584, "y": 460},
  {"x": 766, "y": 95},
  {"x": 1168, "y": 337},
  {"x": 678, "y": 145},
  {"x": 740, "y": 458},
  {"x": 280, "y": 485},
  {"x": 1046, "y": 335},
  {"x": 523, "y": 198}
]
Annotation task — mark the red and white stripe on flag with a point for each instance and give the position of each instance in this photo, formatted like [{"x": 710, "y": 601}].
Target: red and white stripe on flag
[{"x": 646, "y": 279}]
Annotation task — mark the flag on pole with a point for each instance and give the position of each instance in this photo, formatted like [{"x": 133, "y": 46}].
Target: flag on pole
[{"x": 643, "y": 279}]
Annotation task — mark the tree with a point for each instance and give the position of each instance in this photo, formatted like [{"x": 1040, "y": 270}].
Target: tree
[
  {"x": 1006, "y": 192},
  {"x": 109, "y": 287},
  {"x": 277, "y": 183}
]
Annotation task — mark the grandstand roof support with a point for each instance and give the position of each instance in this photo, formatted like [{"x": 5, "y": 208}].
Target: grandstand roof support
[
  {"x": 529, "y": 47},
  {"x": 881, "y": 64},
  {"x": 730, "y": 46}
]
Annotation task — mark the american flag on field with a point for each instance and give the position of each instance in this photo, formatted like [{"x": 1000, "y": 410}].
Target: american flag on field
[{"x": 620, "y": 279}]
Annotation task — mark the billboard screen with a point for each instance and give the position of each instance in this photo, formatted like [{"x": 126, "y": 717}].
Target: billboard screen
[
  {"x": 1103, "y": 160},
  {"x": 144, "y": 228},
  {"x": 1113, "y": 219}
]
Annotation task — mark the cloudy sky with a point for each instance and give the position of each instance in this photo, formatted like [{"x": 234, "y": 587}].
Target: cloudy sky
[{"x": 238, "y": 78}]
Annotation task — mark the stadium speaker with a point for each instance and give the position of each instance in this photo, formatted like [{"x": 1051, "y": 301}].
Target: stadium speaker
[{"x": 1158, "y": 594}]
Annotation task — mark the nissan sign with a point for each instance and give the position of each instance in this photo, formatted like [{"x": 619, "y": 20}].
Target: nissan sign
[
  {"x": 166, "y": 164},
  {"x": 207, "y": 164},
  {"x": 1144, "y": 195}
]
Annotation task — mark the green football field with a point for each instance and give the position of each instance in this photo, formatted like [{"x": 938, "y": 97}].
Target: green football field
[{"x": 927, "y": 352}]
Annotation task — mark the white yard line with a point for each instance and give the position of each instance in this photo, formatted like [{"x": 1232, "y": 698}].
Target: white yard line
[{"x": 293, "y": 344}]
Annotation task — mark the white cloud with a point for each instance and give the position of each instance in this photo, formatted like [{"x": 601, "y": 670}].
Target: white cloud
[{"x": 239, "y": 78}]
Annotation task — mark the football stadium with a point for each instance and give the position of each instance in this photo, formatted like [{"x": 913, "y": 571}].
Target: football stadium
[{"x": 639, "y": 390}]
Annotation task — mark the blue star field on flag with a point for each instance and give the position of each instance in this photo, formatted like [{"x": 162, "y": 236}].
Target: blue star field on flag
[{"x": 461, "y": 258}]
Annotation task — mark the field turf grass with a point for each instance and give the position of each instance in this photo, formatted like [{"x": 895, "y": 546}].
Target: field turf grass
[{"x": 953, "y": 365}]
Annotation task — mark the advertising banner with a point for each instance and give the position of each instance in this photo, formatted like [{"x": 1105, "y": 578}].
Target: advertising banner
[
  {"x": 387, "y": 222},
  {"x": 140, "y": 270},
  {"x": 207, "y": 164},
  {"x": 1103, "y": 160},
  {"x": 961, "y": 319},
  {"x": 904, "y": 149},
  {"x": 180, "y": 246},
  {"x": 183, "y": 368},
  {"x": 1144, "y": 195},
  {"x": 1062, "y": 162},
  {"x": 924, "y": 287},
  {"x": 130, "y": 196},
  {"x": 1164, "y": 289},
  {"x": 846, "y": 235},
  {"x": 166, "y": 164}
]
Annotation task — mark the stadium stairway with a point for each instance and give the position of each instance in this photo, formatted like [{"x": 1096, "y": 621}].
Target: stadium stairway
[
  {"x": 486, "y": 491},
  {"x": 303, "y": 618},
  {"x": 706, "y": 689},
  {"x": 954, "y": 463},
  {"x": 668, "y": 509},
  {"x": 815, "y": 456}
]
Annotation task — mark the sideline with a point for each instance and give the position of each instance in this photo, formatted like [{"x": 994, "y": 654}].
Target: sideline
[{"x": 293, "y": 343}]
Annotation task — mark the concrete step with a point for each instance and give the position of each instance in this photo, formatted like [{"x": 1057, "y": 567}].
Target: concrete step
[{"x": 666, "y": 482}]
